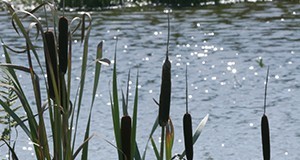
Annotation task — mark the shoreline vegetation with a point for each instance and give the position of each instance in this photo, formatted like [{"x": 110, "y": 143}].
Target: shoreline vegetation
[
  {"x": 56, "y": 137},
  {"x": 86, "y": 5}
]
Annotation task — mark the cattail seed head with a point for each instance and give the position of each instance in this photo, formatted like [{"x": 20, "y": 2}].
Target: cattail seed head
[
  {"x": 63, "y": 44},
  {"x": 165, "y": 94},
  {"x": 50, "y": 51},
  {"x": 188, "y": 136},
  {"x": 265, "y": 134},
  {"x": 126, "y": 136}
]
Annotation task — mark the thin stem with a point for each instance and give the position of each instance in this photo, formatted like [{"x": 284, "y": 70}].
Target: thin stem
[
  {"x": 168, "y": 39},
  {"x": 186, "y": 89},
  {"x": 46, "y": 18},
  {"x": 162, "y": 143},
  {"x": 266, "y": 87},
  {"x": 64, "y": 7}
]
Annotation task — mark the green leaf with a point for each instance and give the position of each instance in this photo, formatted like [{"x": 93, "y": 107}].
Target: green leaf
[
  {"x": 155, "y": 148},
  {"x": 134, "y": 117},
  {"x": 169, "y": 139},
  {"x": 96, "y": 81},
  {"x": 154, "y": 127}
]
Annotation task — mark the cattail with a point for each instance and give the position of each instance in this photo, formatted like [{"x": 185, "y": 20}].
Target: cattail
[
  {"x": 187, "y": 125},
  {"x": 126, "y": 136},
  {"x": 165, "y": 94},
  {"x": 188, "y": 136},
  {"x": 265, "y": 134},
  {"x": 50, "y": 54},
  {"x": 63, "y": 44}
]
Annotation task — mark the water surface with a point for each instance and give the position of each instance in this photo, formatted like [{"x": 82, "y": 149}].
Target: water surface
[{"x": 221, "y": 45}]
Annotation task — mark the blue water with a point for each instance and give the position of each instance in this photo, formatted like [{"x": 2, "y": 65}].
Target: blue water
[{"x": 220, "y": 45}]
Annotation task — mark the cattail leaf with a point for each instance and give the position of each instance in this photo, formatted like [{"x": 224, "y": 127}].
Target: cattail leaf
[
  {"x": 82, "y": 77},
  {"x": 81, "y": 146},
  {"x": 15, "y": 117},
  {"x": 134, "y": 116},
  {"x": 154, "y": 148},
  {"x": 169, "y": 138},
  {"x": 154, "y": 127},
  {"x": 115, "y": 105}
]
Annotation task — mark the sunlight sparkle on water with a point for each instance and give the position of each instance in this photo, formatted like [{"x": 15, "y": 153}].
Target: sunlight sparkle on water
[
  {"x": 234, "y": 71},
  {"x": 286, "y": 153}
]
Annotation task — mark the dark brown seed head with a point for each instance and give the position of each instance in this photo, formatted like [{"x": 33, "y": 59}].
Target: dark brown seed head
[
  {"x": 165, "y": 94},
  {"x": 126, "y": 136},
  {"x": 188, "y": 136},
  {"x": 265, "y": 134},
  {"x": 51, "y": 60},
  {"x": 63, "y": 44}
]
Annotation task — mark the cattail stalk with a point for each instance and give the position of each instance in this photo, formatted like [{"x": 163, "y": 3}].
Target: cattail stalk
[
  {"x": 165, "y": 89},
  {"x": 126, "y": 136},
  {"x": 265, "y": 132},
  {"x": 187, "y": 128}
]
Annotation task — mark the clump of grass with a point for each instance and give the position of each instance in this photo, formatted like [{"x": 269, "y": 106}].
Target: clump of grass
[
  {"x": 57, "y": 54},
  {"x": 265, "y": 132}
]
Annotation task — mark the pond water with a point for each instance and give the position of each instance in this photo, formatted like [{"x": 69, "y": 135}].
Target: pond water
[{"x": 221, "y": 45}]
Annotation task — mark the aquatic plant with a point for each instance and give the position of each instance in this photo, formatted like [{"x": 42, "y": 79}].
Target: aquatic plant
[
  {"x": 265, "y": 132},
  {"x": 63, "y": 110}
]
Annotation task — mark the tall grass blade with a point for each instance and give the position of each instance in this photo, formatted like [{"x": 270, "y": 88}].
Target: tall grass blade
[
  {"x": 96, "y": 81},
  {"x": 154, "y": 127},
  {"x": 14, "y": 155},
  {"x": 83, "y": 71},
  {"x": 155, "y": 148},
  {"x": 134, "y": 117},
  {"x": 115, "y": 105}
]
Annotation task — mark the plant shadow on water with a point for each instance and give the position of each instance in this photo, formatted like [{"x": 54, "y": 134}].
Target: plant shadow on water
[{"x": 225, "y": 79}]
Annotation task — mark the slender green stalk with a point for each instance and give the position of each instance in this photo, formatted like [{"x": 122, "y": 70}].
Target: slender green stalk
[{"x": 162, "y": 143}]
